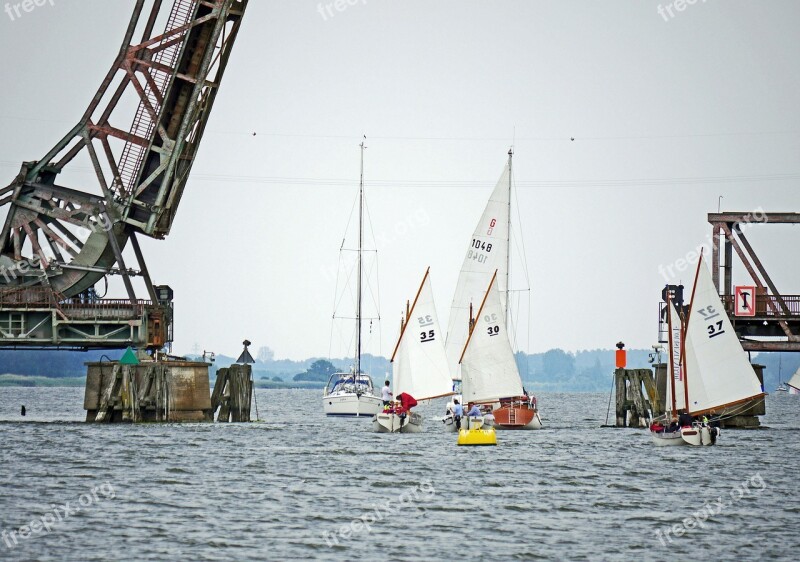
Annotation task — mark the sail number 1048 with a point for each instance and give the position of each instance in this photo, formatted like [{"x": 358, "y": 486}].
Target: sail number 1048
[{"x": 477, "y": 249}]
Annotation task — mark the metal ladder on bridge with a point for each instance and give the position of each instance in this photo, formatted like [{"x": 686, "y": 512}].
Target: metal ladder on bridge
[{"x": 143, "y": 124}]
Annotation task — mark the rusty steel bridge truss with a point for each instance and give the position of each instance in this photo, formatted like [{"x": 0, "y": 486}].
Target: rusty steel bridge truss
[
  {"x": 59, "y": 241},
  {"x": 777, "y": 315}
]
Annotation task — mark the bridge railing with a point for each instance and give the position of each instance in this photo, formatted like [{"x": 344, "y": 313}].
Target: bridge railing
[{"x": 763, "y": 308}]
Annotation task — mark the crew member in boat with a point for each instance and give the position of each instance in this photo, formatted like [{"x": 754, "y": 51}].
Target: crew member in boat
[
  {"x": 458, "y": 412},
  {"x": 475, "y": 411},
  {"x": 685, "y": 419},
  {"x": 712, "y": 421},
  {"x": 674, "y": 425},
  {"x": 405, "y": 402},
  {"x": 386, "y": 394}
]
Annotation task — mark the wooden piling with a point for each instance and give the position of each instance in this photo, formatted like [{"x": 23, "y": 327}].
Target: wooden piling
[
  {"x": 233, "y": 393},
  {"x": 637, "y": 397}
]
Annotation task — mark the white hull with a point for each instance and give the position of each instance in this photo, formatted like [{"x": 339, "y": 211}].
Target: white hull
[
  {"x": 697, "y": 436},
  {"x": 349, "y": 404},
  {"x": 392, "y": 423},
  {"x": 467, "y": 422},
  {"x": 667, "y": 439}
]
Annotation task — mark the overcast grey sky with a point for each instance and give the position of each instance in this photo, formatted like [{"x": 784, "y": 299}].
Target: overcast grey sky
[{"x": 667, "y": 113}]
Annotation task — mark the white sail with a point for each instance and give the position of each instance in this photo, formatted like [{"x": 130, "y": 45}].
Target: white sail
[
  {"x": 717, "y": 370},
  {"x": 794, "y": 382},
  {"x": 675, "y": 362},
  {"x": 488, "y": 367},
  {"x": 419, "y": 363},
  {"x": 486, "y": 253}
]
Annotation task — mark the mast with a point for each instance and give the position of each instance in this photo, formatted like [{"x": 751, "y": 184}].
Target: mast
[
  {"x": 671, "y": 353},
  {"x": 360, "y": 265},
  {"x": 686, "y": 331},
  {"x": 508, "y": 244}
]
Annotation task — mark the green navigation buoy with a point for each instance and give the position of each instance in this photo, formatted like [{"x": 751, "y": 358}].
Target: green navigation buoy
[{"x": 129, "y": 358}]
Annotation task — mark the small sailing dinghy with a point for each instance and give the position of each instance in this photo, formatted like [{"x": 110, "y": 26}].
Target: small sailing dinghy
[
  {"x": 490, "y": 377},
  {"x": 488, "y": 257},
  {"x": 419, "y": 364},
  {"x": 666, "y": 431},
  {"x": 353, "y": 394},
  {"x": 717, "y": 374}
]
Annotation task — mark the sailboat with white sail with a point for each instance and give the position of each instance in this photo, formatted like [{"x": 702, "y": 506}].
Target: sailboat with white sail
[
  {"x": 717, "y": 373},
  {"x": 353, "y": 394},
  {"x": 794, "y": 383},
  {"x": 419, "y": 363},
  {"x": 667, "y": 431},
  {"x": 782, "y": 386},
  {"x": 489, "y": 373},
  {"x": 488, "y": 257}
]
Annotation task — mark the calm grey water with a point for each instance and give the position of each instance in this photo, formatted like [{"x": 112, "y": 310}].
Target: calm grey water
[{"x": 300, "y": 486}]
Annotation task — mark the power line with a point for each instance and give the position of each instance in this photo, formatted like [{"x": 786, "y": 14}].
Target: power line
[{"x": 473, "y": 184}]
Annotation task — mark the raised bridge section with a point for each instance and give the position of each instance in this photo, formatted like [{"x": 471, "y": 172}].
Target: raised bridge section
[{"x": 59, "y": 240}]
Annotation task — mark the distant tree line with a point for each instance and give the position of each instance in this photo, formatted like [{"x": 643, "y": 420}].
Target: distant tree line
[{"x": 555, "y": 370}]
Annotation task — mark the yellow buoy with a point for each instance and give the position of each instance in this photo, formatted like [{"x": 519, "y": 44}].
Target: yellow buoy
[{"x": 475, "y": 437}]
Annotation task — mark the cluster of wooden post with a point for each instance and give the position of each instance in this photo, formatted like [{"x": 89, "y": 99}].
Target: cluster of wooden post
[
  {"x": 126, "y": 397},
  {"x": 638, "y": 399},
  {"x": 233, "y": 393},
  {"x": 147, "y": 390}
]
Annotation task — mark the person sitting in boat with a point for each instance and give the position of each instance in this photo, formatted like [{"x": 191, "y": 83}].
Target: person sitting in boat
[
  {"x": 656, "y": 426},
  {"x": 712, "y": 421},
  {"x": 386, "y": 394},
  {"x": 685, "y": 419},
  {"x": 475, "y": 411},
  {"x": 458, "y": 412},
  {"x": 673, "y": 425},
  {"x": 488, "y": 417}
]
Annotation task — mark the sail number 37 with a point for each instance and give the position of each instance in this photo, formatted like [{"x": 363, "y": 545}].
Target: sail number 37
[{"x": 714, "y": 328}]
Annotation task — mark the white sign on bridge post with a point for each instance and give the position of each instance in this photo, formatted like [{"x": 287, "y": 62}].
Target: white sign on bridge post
[{"x": 745, "y": 304}]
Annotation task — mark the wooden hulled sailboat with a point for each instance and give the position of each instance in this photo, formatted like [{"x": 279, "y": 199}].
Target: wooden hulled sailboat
[
  {"x": 488, "y": 259},
  {"x": 717, "y": 373},
  {"x": 490, "y": 377},
  {"x": 419, "y": 363}
]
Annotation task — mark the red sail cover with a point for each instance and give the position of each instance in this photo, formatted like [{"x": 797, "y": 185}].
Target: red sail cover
[{"x": 406, "y": 400}]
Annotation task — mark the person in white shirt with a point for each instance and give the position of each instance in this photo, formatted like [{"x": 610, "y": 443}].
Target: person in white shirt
[{"x": 386, "y": 394}]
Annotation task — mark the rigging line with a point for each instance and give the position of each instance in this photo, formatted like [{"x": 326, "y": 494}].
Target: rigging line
[
  {"x": 339, "y": 297},
  {"x": 521, "y": 236},
  {"x": 428, "y": 184},
  {"x": 565, "y": 137}
]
